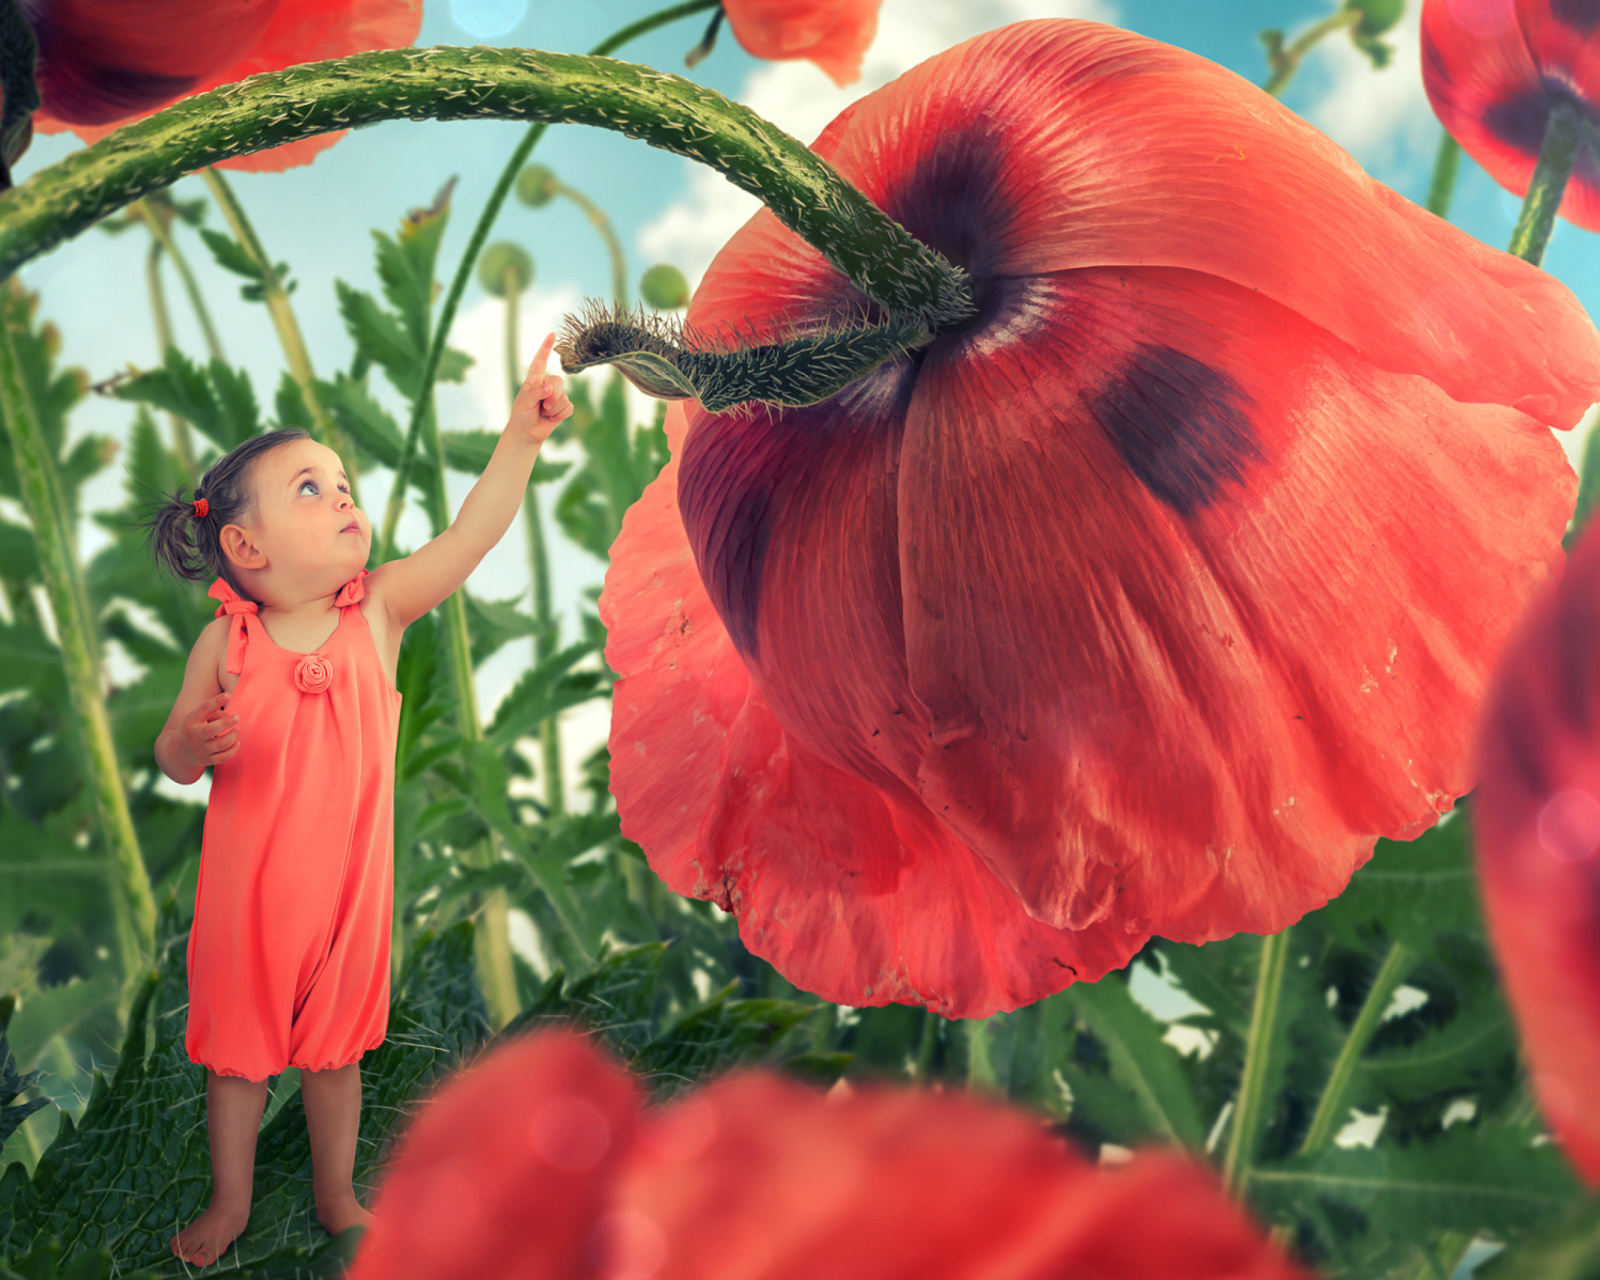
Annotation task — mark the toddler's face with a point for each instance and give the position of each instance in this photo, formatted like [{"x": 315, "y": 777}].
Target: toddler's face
[{"x": 305, "y": 520}]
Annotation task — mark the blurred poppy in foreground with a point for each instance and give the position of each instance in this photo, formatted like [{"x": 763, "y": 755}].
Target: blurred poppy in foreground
[
  {"x": 103, "y": 63},
  {"x": 1140, "y": 606},
  {"x": 537, "y": 1161},
  {"x": 1536, "y": 816},
  {"x": 834, "y": 34},
  {"x": 1495, "y": 69}
]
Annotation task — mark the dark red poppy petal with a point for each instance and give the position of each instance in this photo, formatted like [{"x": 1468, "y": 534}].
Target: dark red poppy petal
[
  {"x": 1492, "y": 70},
  {"x": 1120, "y": 592},
  {"x": 1537, "y": 820},
  {"x": 755, "y": 1175},
  {"x": 542, "y": 1124},
  {"x": 834, "y": 34},
  {"x": 1015, "y": 154},
  {"x": 851, "y": 889}
]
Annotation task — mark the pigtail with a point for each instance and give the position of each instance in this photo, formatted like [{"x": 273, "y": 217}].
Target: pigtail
[{"x": 170, "y": 534}]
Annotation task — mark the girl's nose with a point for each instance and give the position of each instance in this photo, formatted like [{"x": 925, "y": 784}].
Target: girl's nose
[{"x": 344, "y": 500}]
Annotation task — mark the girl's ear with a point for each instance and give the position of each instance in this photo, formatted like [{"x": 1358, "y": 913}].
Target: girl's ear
[{"x": 241, "y": 550}]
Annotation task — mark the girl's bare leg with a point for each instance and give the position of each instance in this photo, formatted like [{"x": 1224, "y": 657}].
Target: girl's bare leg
[
  {"x": 233, "y": 1118},
  {"x": 332, "y": 1100}
]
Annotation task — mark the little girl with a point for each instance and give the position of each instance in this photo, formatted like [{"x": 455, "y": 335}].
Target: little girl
[{"x": 290, "y": 696}]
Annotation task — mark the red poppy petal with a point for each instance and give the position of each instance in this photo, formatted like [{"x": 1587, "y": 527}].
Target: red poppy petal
[
  {"x": 543, "y": 1124},
  {"x": 1536, "y": 816},
  {"x": 755, "y": 1175},
  {"x": 851, "y": 890},
  {"x": 1016, "y": 154},
  {"x": 1118, "y": 593},
  {"x": 834, "y": 34}
]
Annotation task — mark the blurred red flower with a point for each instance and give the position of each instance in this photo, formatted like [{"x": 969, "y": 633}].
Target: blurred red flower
[
  {"x": 1494, "y": 69},
  {"x": 834, "y": 34},
  {"x": 538, "y": 1162},
  {"x": 1142, "y": 605},
  {"x": 103, "y": 63},
  {"x": 1536, "y": 816}
]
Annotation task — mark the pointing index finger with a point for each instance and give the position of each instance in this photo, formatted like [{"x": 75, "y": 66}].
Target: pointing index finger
[{"x": 541, "y": 358}]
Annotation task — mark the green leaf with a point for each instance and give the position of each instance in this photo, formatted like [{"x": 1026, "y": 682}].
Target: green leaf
[
  {"x": 231, "y": 255},
  {"x": 494, "y": 623},
  {"x": 289, "y": 404},
  {"x": 217, "y": 400},
  {"x": 381, "y": 338},
  {"x": 542, "y": 692}
]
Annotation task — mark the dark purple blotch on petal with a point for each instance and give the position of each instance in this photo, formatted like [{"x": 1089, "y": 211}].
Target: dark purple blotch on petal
[
  {"x": 953, "y": 199},
  {"x": 1521, "y": 122},
  {"x": 1182, "y": 426},
  {"x": 94, "y": 95},
  {"x": 1581, "y": 15}
]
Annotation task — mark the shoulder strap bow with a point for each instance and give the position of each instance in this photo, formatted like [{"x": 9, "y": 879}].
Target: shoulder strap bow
[{"x": 235, "y": 608}]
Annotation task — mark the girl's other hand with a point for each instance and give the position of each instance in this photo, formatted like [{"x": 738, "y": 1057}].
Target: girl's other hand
[
  {"x": 210, "y": 733},
  {"x": 541, "y": 402}
]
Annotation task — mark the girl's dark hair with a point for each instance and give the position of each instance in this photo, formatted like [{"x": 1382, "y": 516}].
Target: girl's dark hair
[{"x": 189, "y": 545}]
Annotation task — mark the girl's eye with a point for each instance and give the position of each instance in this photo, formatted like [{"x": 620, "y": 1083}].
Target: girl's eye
[{"x": 308, "y": 484}]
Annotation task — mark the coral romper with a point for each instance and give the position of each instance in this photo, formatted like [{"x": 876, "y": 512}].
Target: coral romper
[{"x": 289, "y": 952}]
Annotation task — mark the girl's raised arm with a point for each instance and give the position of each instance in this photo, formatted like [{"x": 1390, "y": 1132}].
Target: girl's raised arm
[{"x": 411, "y": 586}]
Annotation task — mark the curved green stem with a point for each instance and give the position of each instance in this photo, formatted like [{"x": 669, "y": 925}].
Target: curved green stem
[
  {"x": 1250, "y": 1106},
  {"x": 289, "y": 336},
  {"x": 182, "y": 445},
  {"x": 132, "y": 902},
  {"x": 884, "y": 260},
  {"x": 1446, "y": 164},
  {"x": 163, "y": 234},
  {"x": 602, "y": 224},
  {"x": 1562, "y": 138},
  {"x": 1330, "y": 1106},
  {"x": 1286, "y": 60}
]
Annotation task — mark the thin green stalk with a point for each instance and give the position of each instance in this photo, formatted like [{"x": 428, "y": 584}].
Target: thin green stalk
[
  {"x": 1446, "y": 165},
  {"x": 132, "y": 903},
  {"x": 602, "y": 224},
  {"x": 544, "y": 637},
  {"x": 289, "y": 336},
  {"x": 981, "y": 1075},
  {"x": 1251, "y": 1104},
  {"x": 181, "y": 443},
  {"x": 1562, "y": 138},
  {"x": 1330, "y": 1106},
  {"x": 164, "y": 237},
  {"x": 1286, "y": 61}
]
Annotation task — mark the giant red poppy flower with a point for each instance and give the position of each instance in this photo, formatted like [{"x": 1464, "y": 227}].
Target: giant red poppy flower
[
  {"x": 834, "y": 34},
  {"x": 1142, "y": 605},
  {"x": 1494, "y": 69},
  {"x": 103, "y": 63},
  {"x": 1536, "y": 815},
  {"x": 537, "y": 1161}
]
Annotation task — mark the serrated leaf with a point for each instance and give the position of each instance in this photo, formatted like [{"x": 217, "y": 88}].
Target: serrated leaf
[
  {"x": 230, "y": 255},
  {"x": 616, "y": 999},
  {"x": 381, "y": 338},
  {"x": 494, "y": 623},
  {"x": 542, "y": 692},
  {"x": 1412, "y": 892},
  {"x": 719, "y": 1034}
]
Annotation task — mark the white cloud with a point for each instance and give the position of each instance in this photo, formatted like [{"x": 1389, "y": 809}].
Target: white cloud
[{"x": 799, "y": 99}]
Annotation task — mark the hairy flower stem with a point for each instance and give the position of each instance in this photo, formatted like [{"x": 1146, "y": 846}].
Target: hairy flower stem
[
  {"x": 1562, "y": 138},
  {"x": 544, "y": 637},
  {"x": 1251, "y": 1103},
  {"x": 1330, "y": 1106},
  {"x": 133, "y": 906},
  {"x": 1446, "y": 164},
  {"x": 164, "y": 237},
  {"x": 1286, "y": 59},
  {"x": 807, "y": 194},
  {"x": 469, "y": 259},
  {"x": 289, "y": 336}
]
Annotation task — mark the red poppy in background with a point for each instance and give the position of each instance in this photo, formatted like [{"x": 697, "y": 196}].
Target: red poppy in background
[
  {"x": 834, "y": 34},
  {"x": 1494, "y": 69},
  {"x": 1139, "y": 607},
  {"x": 537, "y": 1161},
  {"x": 103, "y": 63},
  {"x": 1536, "y": 816}
]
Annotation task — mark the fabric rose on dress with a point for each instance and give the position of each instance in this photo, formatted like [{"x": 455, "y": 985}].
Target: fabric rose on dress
[
  {"x": 1495, "y": 69},
  {"x": 1536, "y": 815},
  {"x": 834, "y": 34},
  {"x": 537, "y": 1161},
  {"x": 103, "y": 63},
  {"x": 1142, "y": 605},
  {"x": 313, "y": 674}
]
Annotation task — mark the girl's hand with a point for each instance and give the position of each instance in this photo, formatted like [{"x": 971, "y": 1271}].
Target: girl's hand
[
  {"x": 210, "y": 733},
  {"x": 540, "y": 403}
]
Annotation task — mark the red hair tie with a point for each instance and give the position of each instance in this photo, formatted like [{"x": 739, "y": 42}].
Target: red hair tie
[{"x": 201, "y": 507}]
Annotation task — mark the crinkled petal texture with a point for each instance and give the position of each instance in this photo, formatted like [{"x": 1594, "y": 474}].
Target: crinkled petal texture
[
  {"x": 1536, "y": 816},
  {"x": 1141, "y": 606},
  {"x": 103, "y": 63},
  {"x": 834, "y": 34},
  {"x": 1494, "y": 69},
  {"x": 759, "y": 1176}
]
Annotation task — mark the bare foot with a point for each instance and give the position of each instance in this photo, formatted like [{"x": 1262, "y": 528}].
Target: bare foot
[
  {"x": 336, "y": 1213},
  {"x": 202, "y": 1242}
]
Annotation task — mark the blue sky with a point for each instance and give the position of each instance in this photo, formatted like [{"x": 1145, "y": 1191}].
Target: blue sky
[{"x": 319, "y": 217}]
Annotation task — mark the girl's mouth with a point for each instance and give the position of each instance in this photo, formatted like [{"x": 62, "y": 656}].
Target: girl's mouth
[{"x": 353, "y": 527}]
